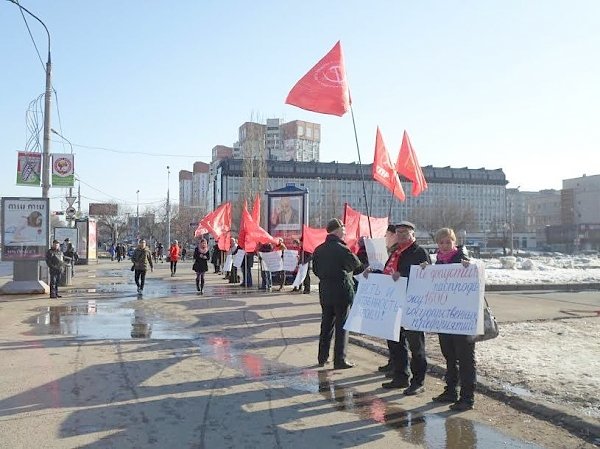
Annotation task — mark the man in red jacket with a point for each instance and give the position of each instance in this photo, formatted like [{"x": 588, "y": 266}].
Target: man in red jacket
[{"x": 174, "y": 257}]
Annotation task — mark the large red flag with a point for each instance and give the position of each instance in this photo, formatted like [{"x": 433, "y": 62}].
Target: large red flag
[
  {"x": 357, "y": 225},
  {"x": 253, "y": 233},
  {"x": 218, "y": 224},
  {"x": 312, "y": 237},
  {"x": 256, "y": 210},
  {"x": 408, "y": 166},
  {"x": 242, "y": 234},
  {"x": 383, "y": 170},
  {"x": 324, "y": 88}
]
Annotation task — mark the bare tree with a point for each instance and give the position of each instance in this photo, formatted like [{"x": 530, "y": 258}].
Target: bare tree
[
  {"x": 113, "y": 224},
  {"x": 446, "y": 215}
]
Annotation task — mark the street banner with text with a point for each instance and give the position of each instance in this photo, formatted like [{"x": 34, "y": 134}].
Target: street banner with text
[
  {"x": 29, "y": 167},
  {"x": 377, "y": 307},
  {"x": 238, "y": 258},
  {"x": 445, "y": 299},
  {"x": 228, "y": 263},
  {"x": 63, "y": 170},
  {"x": 290, "y": 259},
  {"x": 272, "y": 261}
]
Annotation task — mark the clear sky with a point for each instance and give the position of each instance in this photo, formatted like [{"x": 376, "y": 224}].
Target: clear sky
[{"x": 506, "y": 84}]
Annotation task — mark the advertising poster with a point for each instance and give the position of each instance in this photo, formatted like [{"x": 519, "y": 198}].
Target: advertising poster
[
  {"x": 63, "y": 170},
  {"x": 25, "y": 228},
  {"x": 285, "y": 218},
  {"x": 72, "y": 234},
  {"x": 92, "y": 240},
  {"x": 29, "y": 167},
  {"x": 82, "y": 240}
]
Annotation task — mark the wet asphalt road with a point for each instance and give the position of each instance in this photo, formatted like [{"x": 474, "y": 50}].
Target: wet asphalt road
[{"x": 103, "y": 367}]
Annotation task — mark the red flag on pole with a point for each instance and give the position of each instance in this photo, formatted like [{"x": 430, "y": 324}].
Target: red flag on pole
[
  {"x": 324, "y": 88},
  {"x": 256, "y": 210},
  {"x": 383, "y": 170},
  {"x": 252, "y": 233},
  {"x": 242, "y": 234},
  {"x": 218, "y": 224},
  {"x": 408, "y": 166},
  {"x": 312, "y": 237},
  {"x": 357, "y": 225}
]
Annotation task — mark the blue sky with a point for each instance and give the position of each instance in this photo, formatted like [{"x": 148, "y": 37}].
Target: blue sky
[{"x": 495, "y": 84}]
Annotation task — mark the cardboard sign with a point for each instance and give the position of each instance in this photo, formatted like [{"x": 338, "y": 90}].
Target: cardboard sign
[
  {"x": 376, "y": 252},
  {"x": 272, "y": 261},
  {"x": 377, "y": 307},
  {"x": 445, "y": 299},
  {"x": 228, "y": 263},
  {"x": 302, "y": 271},
  {"x": 290, "y": 259},
  {"x": 238, "y": 258}
]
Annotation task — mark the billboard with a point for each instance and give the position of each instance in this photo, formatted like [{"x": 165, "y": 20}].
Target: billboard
[
  {"x": 72, "y": 234},
  {"x": 103, "y": 209},
  {"x": 286, "y": 212},
  {"x": 25, "y": 228}
]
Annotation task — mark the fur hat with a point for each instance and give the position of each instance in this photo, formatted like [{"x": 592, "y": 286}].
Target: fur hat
[{"x": 333, "y": 224}]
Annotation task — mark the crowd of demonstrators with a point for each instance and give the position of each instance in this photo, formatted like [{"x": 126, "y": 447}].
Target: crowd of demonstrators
[
  {"x": 174, "y": 256},
  {"x": 200, "y": 264},
  {"x": 334, "y": 264},
  {"x": 142, "y": 259}
]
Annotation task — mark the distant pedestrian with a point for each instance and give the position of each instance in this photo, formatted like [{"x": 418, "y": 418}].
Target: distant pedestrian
[
  {"x": 71, "y": 257},
  {"x": 333, "y": 264},
  {"x": 141, "y": 259},
  {"x": 54, "y": 260},
  {"x": 201, "y": 255},
  {"x": 183, "y": 253},
  {"x": 215, "y": 258},
  {"x": 112, "y": 251},
  {"x": 174, "y": 257}
]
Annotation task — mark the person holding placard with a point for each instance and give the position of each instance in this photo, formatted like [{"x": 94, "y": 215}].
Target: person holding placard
[
  {"x": 333, "y": 264},
  {"x": 407, "y": 253},
  {"x": 458, "y": 350},
  {"x": 265, "y": 273}
]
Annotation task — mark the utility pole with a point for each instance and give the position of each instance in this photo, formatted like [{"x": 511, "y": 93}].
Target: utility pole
[{"x": 168, "y": 208}]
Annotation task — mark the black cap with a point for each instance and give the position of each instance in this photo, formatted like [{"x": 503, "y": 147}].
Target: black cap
[
  {"x": 391, "y": 228},
  {"x": 333, "y": 224}
]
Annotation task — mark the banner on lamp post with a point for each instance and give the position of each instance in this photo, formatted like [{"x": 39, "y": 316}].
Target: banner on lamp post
[
  {"x": 63, "y": 170},
  {"x": 29, "y": 167}
]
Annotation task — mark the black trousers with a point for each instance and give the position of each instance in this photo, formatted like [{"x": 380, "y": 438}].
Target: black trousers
[
  {"x": 402, "y": 369},
  {"x": 140, "y": 278},
  {"x": 333, "y": 318},
  {"x": 54, "y": 280},
  {"x": 306, "y": 283},
  {"x": 459, "y": 353}
]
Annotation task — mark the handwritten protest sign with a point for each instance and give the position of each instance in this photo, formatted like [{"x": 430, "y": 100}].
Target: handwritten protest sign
[
  {"x": 376, "y": 309},
  {"x": 445, "y": 298},
  {"x": 228, "y": 263},
  {"x": 238, "y": 258},
  {"x": 377, "y": 253},
  {"x": 290, "y": 259},
  {"x": 302, "y": 271},
  {"x": 272, "y": 261}
]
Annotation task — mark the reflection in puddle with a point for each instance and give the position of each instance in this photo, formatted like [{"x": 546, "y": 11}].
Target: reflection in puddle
[
  {"x": 94, "y": 321},
  {"x": 427, "y": 430}
]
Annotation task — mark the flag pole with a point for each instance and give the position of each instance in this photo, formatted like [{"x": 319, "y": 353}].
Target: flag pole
[
  {"x": 391, "y": 203},
  {"x": 362, "y": 174}
]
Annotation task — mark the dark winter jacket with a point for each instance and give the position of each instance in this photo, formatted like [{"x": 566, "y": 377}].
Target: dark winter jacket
[
  {"x": 54, "y": 260},
  {"x": 141, "y": 259},
  {"x": 413, "y": 255},
  {"x": 333, "y": 263},
  {"x": 200, "y": 261}
]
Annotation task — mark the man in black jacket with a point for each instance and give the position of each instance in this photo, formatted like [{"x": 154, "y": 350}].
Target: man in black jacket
[
  {"x": 333, "y": 264},
  {"x": 409, "y": 253},
  {"x": 54, "y": 260}
]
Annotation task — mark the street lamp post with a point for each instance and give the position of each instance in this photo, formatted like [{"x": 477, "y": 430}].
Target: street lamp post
[
  {"x": 168, "y": 208},
  {"x": 137, "y": 215}
]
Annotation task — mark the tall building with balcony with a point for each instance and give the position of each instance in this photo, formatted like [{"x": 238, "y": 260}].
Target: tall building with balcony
[
  {"x": 200, "y": 183},
  {"x": 185, "y": 188}
]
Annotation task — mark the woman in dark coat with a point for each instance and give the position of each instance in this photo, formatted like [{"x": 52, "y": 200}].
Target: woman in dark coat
[{"x": 200, "y": 264}]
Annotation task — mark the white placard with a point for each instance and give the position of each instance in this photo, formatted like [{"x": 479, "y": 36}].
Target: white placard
[
  {"x": 300, "y": 275},
  {"x": 228, "y": 263},
  {"x": 446, "y": 299},
  {"x": 290, "y": 259},
  {"x": 377, "y": 306},
  {"x": 272, "y": 261},
  {"x": 376, "y": 252},
  {"x": 238, "y": 258}
]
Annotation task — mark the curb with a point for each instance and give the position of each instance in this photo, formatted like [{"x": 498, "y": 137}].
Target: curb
[
  {"x": 586, "y": 428},
  {"x": 530, "y": 287}
]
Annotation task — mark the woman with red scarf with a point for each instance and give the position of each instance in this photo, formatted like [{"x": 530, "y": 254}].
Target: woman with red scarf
[{"x": 458, "y": 350}]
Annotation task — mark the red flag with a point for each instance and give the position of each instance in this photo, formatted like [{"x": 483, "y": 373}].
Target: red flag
[
  {"x": 312, "y": 237},
  {"x": 383, "y": 170},
  {"x": 242, "y": 234},
  {"x": 408, "y": 166},
  {"x": 256, "y": 210},
  {"x": 357, "y": 225},
  {"x": 324, "y": 88},
  {"x": 253, "y": 234},
  {"x": 217, "y": 223}
]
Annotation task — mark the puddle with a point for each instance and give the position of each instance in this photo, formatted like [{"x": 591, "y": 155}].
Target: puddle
[
  {"x": 427, "y": 430},
  {"x": 518, "y": 391},
  {"x": 101, "y": 321}
]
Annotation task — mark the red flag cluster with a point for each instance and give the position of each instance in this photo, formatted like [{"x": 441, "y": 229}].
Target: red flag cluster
[
  {"x": 218, "y": 224},
  {"x": 408, "y": 166},
  {"x": 357, "y": 225},
  {"x": 251, "y": 234}
]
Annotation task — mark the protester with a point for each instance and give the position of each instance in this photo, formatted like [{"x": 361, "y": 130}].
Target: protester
[
  {"x": 304, "y": 257},
  {"x": 200, "y": 264},
  {"x": 54, "y": 260},
  {"x": 246, "y": 267},
  {"x": 265, "y": 274},
  {"x": 280, "y": 246},
  {"x": 458, "y": 350},
  {"x": 333, "y": 264},
  {"x": 215, "y": 258},
  {"x": 407, "y": 253},
  {"x": 141, "y": 259},
  {"x": 233, "y": 274},
  {"x": 174, "y": 257}
]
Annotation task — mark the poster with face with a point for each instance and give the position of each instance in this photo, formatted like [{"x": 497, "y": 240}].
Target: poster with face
[
  {"x": 285, "y": 218},
  {"x": 25, "y": 228}
]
